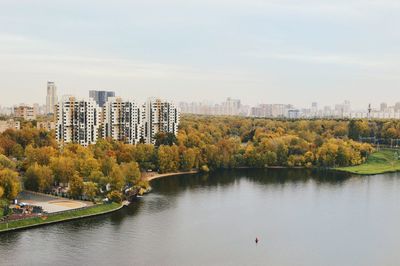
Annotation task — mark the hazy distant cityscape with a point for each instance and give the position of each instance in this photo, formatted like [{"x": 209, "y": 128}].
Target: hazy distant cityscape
[
  {"x": 341, "y": 110},
  {"x": 229, "y": 107}
]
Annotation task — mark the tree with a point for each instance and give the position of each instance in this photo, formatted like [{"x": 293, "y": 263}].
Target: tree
[
  {"x": 63, "y": 168},
  {"x": 145, "y": 156},
  {"x": 1, "y": 192},
  {"x": 117, "y": 180},
  {"x": 10, "y": 183},
  {"x": 87, "y": 166},
  {"x": 131, "y": 172},
  {"x": 115, "y": 196},
  {"x": 188, "y": 159},
  {"x": 38, "y": 178},
  {"x": 76, "y": 186},
  {"x": 42, "y": 155},
  {"x": 6, "y": 163},
  {"x": 107, "y": 165},
  {"x": 168, "y": 158},
  {"x": 90, "y": 190},
  {"x": 163, "y": 138}
]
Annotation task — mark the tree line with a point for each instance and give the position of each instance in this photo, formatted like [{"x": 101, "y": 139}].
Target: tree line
[{"x": 203, "y": 142}]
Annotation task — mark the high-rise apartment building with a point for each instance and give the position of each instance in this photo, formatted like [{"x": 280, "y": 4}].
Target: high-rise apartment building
[
  {"x": 101, "y": 97},
  {"x": 83, "y": 122},
  {"x": 78, "y": 121},
  {"x": 51, "y": 99},
  {"x": 122, "y": 120},
  {"x": 158, "y": 116}
]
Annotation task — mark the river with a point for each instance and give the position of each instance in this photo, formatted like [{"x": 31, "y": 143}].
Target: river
[{"x": 301, "y": 218}]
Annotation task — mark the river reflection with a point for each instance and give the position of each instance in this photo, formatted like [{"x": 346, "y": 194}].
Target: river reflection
[{"x": 303, "y": 217}]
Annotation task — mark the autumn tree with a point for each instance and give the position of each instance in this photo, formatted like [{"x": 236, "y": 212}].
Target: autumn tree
[
  {"x": 168, "y": 158},
  {"x": 117, "y": 179},
  {"x": 131, "y": 172},
  {"x": 38, "y": 178},
  {"x": 10, "y": 183},
  {"x": 63, "y": 168},
  {"x": 90, "y": 190},
  {"x": 76, "y": 185},
  {"x": 188, "y": 159},
  {"x": 6, "y": 163}
]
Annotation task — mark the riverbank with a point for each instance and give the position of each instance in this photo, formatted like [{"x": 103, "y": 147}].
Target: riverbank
[
  {"x": 60, "y": 217},
  {"x": 151, "y": 176},
  {"x": 379, "y": 162}
]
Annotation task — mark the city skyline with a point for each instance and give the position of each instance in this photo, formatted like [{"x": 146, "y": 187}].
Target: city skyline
[{"x": 258, "y": 51}]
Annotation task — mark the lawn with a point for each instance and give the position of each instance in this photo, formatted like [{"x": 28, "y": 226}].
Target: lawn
[
  {"x": 379, "y": 162},
  {"x": 95, "y": 210}
]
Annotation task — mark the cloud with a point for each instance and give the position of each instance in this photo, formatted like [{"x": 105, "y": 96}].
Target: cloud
[{"x": 335, "y": 59}]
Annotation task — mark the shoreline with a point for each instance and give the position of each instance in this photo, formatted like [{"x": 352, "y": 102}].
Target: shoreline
[{"x": 157, "y": 176}]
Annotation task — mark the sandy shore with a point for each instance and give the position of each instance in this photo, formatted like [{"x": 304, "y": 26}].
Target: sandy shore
[{"x": 152, "y": 176}]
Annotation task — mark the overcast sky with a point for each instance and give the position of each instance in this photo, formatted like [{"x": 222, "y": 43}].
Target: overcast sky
[{"x": 271, "y": 51}]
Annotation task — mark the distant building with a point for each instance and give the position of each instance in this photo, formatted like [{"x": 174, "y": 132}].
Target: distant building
[
  {"x": 314, "y": 108},
  {"x": 384, "y": 107},
  {"x": 101, "y": 97},
  {"x": 122, "y": 120},
  {"x": 294, "y": 114},
  {"x": 46, "y": 125},
  {"x": 25, "y": 112},
  {"x": 51, "y": 98},
  {"x": 158, "y": 116},
  {"x": 271, "y": 110},
  {"x": 9, "y": 124},
  {"x": 78, "y": 121}
]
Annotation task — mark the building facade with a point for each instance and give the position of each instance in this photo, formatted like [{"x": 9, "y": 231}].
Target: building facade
[
  {"x": 78, "y": 121},
  {"x": 51, "y": 98},
  {"x": 25, "y": 112},
  {"x": 83, "y": 122},
  {"x": 158, "y": 116},
  {"x": 121, "y": 120},
  {"x": 9, "y": 124},
  {"x": 46, "y": 125},
  {"x": 101, "y": 97}
]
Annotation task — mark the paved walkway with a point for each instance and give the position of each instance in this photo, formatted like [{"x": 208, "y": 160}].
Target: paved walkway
[{"x": 50, "y": 203}]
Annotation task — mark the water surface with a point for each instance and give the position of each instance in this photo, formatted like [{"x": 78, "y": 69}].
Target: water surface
[{"x": 301, "y": 217}]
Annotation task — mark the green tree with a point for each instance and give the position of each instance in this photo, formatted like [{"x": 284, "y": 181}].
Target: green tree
[{"x": 163, "y": 138}]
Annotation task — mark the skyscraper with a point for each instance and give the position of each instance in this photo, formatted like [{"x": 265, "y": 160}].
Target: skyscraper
[
  {"x": 51, "y": 99},
  {"x": 101, "y": 97},
  {"x": 78, "y": 121},
  {"x": 122, "y": 120},
  {"x": 158, "y": 116}
]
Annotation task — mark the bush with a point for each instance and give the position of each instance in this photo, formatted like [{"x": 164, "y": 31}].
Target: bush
[
  {"x": 115, "y": 196},
  {"x": 205, "y": 169}
]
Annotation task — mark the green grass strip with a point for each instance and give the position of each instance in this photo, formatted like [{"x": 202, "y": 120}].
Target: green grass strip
[
  {"x": 65, "y": 216},
  {"x": 379, "y": 162}
]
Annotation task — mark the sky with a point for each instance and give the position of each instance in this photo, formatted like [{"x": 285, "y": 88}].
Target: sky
[{"x": 271, "y": 51}]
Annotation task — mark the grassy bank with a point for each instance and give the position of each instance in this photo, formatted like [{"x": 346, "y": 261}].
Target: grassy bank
[
  {"x": 91, "y": 211},
  {"x": 379, "y": 162}
]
